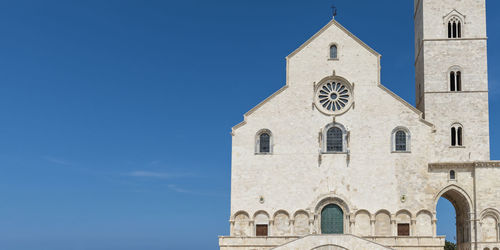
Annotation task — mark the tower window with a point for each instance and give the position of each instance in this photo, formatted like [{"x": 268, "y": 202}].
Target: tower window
[
  {"x": 452, "y": 175},
  {"x": 456, "y": 135},
  {"x": 454, "y": 28},
  {"x": 263, "y": 142},
  {"x": 455, "y": 80},
  {"x": 333, "y": 52}
]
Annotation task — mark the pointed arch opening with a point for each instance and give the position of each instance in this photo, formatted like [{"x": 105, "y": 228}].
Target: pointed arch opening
[
  {"x": 454, "y": 27},
  {"x": 453, "y": 210}
]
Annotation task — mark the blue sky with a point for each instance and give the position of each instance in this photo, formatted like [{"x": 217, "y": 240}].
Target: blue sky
[{"x": 115, "y": 115}]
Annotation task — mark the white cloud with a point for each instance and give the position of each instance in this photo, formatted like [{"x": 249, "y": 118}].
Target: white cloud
[
  {"x": 157, "y": 175},
  {"x": 185, "y": 191},
  {"x": 150, "y": 174},
  {"x": 57, "y": 160}
]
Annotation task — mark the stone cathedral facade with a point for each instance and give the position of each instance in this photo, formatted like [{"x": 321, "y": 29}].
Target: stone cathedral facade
[{"x": 334, "y": 160}]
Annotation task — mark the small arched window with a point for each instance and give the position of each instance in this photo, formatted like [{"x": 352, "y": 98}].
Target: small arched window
[
  {"x": 333, "y": 51},
  {"x": 263, "y": 142},
  {"x": 334, "y": 140},
  {"x": 455, "y": 80},
  {"x": 454, "y": 28},
  {"x": 456, "y": 135},
  {"x": 453, "y": 175},
  {"x": 401, "y": 140}
]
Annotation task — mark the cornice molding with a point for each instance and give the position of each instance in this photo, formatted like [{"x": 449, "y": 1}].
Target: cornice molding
[{"x": 477, "y": 164}]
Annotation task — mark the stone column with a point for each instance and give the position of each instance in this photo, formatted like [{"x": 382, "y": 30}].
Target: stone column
[
  {"x": 394, "y": 226},
  {"x": 372, "y": 227},
  {"x": 252, "y": 228},
  {"x": 231, "y": 227},
  {"x": 413, "y": 227},
  {"x": 434, "y": 227}
]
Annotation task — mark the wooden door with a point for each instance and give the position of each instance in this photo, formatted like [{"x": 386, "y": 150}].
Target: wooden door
[
  {"x": 332, "y": 220},
  {"x": 261, "y": 230},
  {"x": 403, "y": 229}
]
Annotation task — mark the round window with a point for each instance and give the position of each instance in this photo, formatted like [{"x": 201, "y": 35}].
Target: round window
[{"x": 333, "y": 97}]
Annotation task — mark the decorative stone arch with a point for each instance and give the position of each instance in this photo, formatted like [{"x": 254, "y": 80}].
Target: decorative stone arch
[
  {"x": 330, "y": 247},
  {"x": 404, "y": 211},
  {"x": 240, "y": 212},
  {"x": 490, "y": 211},
  {"x": 240, "y": 224},
  {"x": 453, "y": 188},
  {"x": 261, "y": 212},
  {"x": 301, "y": 222},
  {"x": 362, "y": 223},
  {"x": 405, "y": 219},
  {"x": 281, "y": 211},
  {"x": 489, "y": 220},
  {"x": 281, "y": 222},
  {"x": 332, "y": 200},
  {"x": 362, "y": 211},
  {"x": 324, "y": 136},
  {"x": 257, "y": 141},
  {"x": 425, "y": 223},
  {"x": 393, "y": 139},
  {"x": 383, "y": 223},
  {"x": 300, "y": 211},
  {"x": 464, "y": 208},
  {"x": 261, "y": 218}
]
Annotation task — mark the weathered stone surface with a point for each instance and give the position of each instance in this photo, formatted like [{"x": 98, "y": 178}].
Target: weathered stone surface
[{"x": 376, "y": 187}]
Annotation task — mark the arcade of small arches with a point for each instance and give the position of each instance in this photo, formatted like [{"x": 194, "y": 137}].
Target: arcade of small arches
[
  {"x": 332, "y": 216},
  {"x": 361, "y": 223}
]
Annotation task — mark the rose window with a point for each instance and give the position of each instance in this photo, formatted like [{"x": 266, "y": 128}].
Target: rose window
[{"x": 333, "y": 97}]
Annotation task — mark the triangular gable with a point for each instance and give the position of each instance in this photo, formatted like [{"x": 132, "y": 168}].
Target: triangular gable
[{"x": 333, "y": 22}]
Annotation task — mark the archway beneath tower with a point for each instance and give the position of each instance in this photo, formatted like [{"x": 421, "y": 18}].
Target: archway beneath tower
[{"x": 454, "y": 202}]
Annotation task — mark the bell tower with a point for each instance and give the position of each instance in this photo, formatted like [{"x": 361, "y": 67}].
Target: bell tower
[{"x": 452, "y": 76}]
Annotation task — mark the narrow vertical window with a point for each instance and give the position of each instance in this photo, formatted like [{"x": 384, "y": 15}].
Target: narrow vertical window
[
  {"x": 452, "y": 175},
  {"x": 453, "y": 136},
  {"x": 454, "y": 30},
  {"x": 452, "y": 81},
  {"x": 459, "y": 80},
  {"x": 459, "y": 136},
  {"x": 459, "y": 29},
  {"x": 264, "y": 141},
  {"x": 334, "y": 140},
  {"x": 333, "y": 52},
  {"x": 449, "y": 30},
  {"x": 400, "y": 141},
  {"x": 455, "y": 79}
]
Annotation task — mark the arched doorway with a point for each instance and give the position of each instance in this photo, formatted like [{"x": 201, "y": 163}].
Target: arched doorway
[
  {"x": 332, "y": 220},
  {"x": 460, "y": 202}
]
